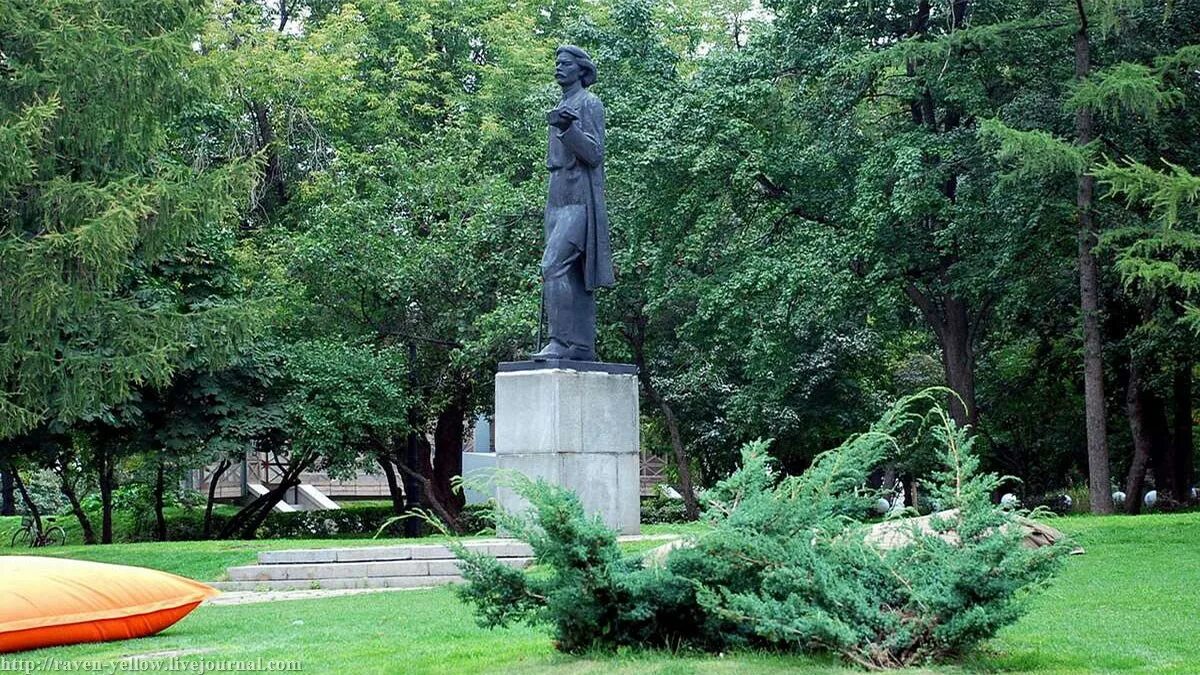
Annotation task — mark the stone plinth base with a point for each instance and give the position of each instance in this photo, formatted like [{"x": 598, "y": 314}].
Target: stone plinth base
[{"x": 574, "y": 428}]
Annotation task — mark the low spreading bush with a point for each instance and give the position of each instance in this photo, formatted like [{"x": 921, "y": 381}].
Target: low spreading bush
[
  {"x": 787, "y": 565},
  {"x": 478, "y": 518},
  {"x": 1058, "y": 503},
  {"x": 661, "y": 509},
  {"x": 362, "y": 521},
  {"x": 44, "y": 490},
  {"x": 352, "y": 520}
]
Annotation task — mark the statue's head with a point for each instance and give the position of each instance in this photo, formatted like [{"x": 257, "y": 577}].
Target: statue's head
[{"x": 571, "y": 65}]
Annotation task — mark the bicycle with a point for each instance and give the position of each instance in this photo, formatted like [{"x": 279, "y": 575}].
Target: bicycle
[{"x": 30, "y": 534}]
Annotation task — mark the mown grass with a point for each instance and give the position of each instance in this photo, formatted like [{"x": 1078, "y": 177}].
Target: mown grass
[
  {"x": 1130, "y": 604},
  {"x": 208, "y": 560}
]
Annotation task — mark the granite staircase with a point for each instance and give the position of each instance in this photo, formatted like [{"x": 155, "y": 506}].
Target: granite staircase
[{"x": 403, "y": 566}]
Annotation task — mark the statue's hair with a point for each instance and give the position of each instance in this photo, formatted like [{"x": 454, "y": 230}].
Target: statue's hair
[{"x": 585, "y": 62}]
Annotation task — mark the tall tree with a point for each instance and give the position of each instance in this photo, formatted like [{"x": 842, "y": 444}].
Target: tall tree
[
  {"x": 1158, "y": 253},
  {"x": 92, "y": 193},
  {"x": 738, "y": 330},
  {"x": 1115, "y": 105},
  {"x": 1089, "y": 286},
  {"x": 891, "y": 98}
]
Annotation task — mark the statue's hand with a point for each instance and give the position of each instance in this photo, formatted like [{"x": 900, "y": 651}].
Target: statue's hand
[{"x": 560, "y": 118}]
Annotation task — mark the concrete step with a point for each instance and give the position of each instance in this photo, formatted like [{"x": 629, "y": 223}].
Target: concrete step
[
  {"x": 499, "y": 548},
  {"x": 337, "y": 584},
  {"x": 402, "y": 566},
  {"x": 355, "y": 570}
]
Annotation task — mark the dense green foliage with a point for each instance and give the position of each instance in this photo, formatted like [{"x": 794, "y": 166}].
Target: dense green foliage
[
  {"x": 787, "y": 565},
  {"x": 96, "y": 199},
  {"x": 309, "y": 230}
]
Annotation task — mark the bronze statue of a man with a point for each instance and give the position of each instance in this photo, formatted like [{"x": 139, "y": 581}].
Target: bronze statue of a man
[{"x": 578, "y": 255}]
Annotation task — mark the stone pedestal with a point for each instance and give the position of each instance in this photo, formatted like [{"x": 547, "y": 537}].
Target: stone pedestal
[{"x": 575, "y": 425}]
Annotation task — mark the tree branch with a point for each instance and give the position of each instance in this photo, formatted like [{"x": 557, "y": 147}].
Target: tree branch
[{"x": 927, "y": 308}]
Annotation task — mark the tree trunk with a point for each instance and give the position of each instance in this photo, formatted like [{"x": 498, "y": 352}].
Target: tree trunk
[
  {"x": 447, "y": 454},
  {"x": 635, "y": 335},
  {"x": 420, "y": 479},
  {"x": 255, "y": 519},
  {"x": 68, "y": 489},
  {"x": 1139, "y": 428},
  {"x": 1099, "y": 480},
  {"x": 1181, "y": 456},
  {"x": 394, "y": 489},
  {"x": 1160, "y": 443},
  {"x": 247, "y": 521},
  {"x": 949, "y": 316},
  {"x": 958, "y": 359},
  {"x": 239, "y": 519},
  {"x": 273, "y": 178},
  {"x": 30, "y": 505},
  {"x": 160, "y": 487},
  {"x": 691, "y": 506},
  {"x": 431, "y": 492},
  {"x": 104, "y": 466},
  {"x": 417, "y": 487},
  {"x": 212, "y": 494},
  {"x": 8, "y": 494},
  {"x": 410, "y": 462},
  {"x": 955, "y": 332},
  {"x": 909, "y": 485}
]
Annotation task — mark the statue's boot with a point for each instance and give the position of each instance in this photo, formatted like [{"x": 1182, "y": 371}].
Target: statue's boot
[
  {"x": 554, "y": 349},
  {"x": 580, "y": 353}
]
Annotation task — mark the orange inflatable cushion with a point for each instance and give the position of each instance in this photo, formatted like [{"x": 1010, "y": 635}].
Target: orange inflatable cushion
[{"x": 46, "y": 602}]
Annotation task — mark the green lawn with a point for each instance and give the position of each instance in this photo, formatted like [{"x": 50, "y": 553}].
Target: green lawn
[
  {"x": 1131, "y": 603},
  {"x": 207, "y": 560}
]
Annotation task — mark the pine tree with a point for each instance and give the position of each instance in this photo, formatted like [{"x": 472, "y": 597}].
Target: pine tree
[
  {"x": 95, "y": 189},
  {"x": 1118, "y": 105},
  {"x": 1158, "y": 260}
]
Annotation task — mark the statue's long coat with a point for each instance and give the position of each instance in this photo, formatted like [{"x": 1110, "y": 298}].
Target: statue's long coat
[{"x": 584, "y": 139}]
